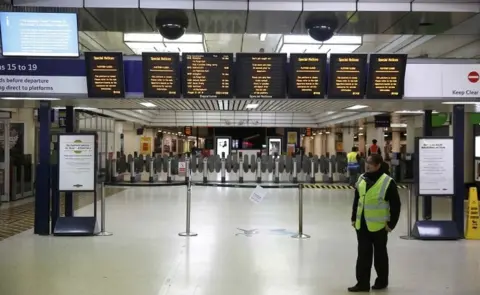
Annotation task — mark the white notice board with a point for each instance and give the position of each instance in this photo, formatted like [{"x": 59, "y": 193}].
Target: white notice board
[
  {"x": 435, "y": 166},
  {"x": 76, "y": 162}
]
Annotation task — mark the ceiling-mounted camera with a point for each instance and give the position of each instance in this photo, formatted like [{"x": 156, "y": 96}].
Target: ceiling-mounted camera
[
  {"x": 171, "y": 23},
  {"x": 320, "y": 28}
]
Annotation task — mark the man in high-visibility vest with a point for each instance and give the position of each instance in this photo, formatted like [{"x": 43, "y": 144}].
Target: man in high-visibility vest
[
  {"x": 374, "y": 148},
  {"x": 353, "y": 166},
  {"x": 375, "y": 213}
]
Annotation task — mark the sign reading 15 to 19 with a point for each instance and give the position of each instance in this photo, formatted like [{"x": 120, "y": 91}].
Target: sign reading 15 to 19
[{"x": 18, "y": 67}]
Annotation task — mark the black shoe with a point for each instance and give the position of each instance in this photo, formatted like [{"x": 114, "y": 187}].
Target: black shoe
[
  {"x": 379, "y": 287},
  {"x": 358, "y": 288}
]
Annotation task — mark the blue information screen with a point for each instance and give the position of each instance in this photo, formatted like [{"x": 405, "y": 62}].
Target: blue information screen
[{"x": 39, "y": 34}]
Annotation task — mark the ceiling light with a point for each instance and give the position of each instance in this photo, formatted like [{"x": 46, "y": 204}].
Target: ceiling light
[
  {"x": 413, "y": 112},
  {"x": 252, "y": 106},
  {"x": 30, "y": 98},
  {"x": 460, "y": 102},
  {"x": 360, "y": 128},
  {"x": 328, "y": 132},
  {"x": 263, "y": 37},
  {"x": 385, "y": 135},
  {"x": 398, "y": 125},
  {"x": 148, "y": 104},
  {"x": 156, "y": 37},
  {"x": 360, "y": 134},
  {"x": 331, "y": 113},
  {"x": 357, "y": 107}
]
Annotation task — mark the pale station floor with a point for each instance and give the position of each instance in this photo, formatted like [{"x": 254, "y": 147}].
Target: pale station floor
[{"x": 145, "y": 256}]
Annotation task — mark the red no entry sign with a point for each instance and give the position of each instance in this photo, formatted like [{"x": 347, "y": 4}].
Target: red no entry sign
[{"x": 473, "y": 77}]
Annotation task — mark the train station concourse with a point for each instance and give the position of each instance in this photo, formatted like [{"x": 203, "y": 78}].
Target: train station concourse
[{"x": 216, "y": 147}]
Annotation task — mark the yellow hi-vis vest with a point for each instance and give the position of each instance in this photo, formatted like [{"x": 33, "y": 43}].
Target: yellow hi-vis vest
[
  {"x": 372, "y": 203},
  {"x": 352, "y": 160}
]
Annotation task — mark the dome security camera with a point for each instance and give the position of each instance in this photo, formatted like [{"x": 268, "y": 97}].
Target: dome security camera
[
  {"x": 171, "y": 24},
  {"x": 321, "y": 29}
]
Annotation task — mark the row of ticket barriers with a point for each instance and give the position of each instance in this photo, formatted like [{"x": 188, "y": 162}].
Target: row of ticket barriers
[{"x": 231, "y": 168}]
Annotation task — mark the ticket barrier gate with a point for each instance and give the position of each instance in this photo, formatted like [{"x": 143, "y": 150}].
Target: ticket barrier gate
[
  {"x": 21, "y": 180},
  {"x": 231, "y": 168}
]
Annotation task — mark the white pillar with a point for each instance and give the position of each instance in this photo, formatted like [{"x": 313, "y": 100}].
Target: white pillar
[
  {"x": 395, "y": 134},
  {"x": 361, "y": 141},
  {"x": 331, "y": 143},
  {"x": 347, "y": 140},
  {"x": 317, "y": 145},
  {"x": 413, "y": 130},
  {"x": 117, "y": 139},
  {"x": 307, "y": 144}
]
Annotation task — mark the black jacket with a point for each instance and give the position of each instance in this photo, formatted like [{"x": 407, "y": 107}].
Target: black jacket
[{"x": 391, "y": 196}]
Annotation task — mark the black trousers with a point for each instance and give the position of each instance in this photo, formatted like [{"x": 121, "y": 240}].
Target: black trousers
[{"x": 372, "y": 246}]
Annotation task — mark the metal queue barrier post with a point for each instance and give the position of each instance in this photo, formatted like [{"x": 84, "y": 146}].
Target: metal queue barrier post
[
  {"x": 222, "y": 171},
  {"x": 187, "y": 232},
  {"x": 409, "y": 213},
  {"x": 187, "y": 167},
  {"x": 103, "y": 231},
  {"x": 300, "y": 234},
  {"x": 240, "y": 168}
]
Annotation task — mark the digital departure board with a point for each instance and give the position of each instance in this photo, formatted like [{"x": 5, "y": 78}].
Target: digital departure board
[
  {"x": 161, "y": 75},
  {"x": 207, "y": 75},
  {"x": 260, "y": 75},
  {"x": 105, "y": 74},
  {"x": 307, "y": 75},
  {"x": 386, "y": 76},
  {"x": 347, "y": 75}
]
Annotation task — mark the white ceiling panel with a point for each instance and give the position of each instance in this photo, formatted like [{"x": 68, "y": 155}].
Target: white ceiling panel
[{"x": 443, "y": 44}]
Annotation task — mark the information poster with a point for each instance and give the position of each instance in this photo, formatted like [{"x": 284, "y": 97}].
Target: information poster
[
  {"x": 76, "y": 162},
  {"x": 435, "y": 166},
  {"x": 145, "y": 145},
  {"x": 274, "y": 146},
  {"x": 223, "y": 146}
]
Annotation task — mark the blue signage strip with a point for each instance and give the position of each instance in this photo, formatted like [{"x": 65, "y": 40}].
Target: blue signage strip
[{"x": 42, "y": 67}]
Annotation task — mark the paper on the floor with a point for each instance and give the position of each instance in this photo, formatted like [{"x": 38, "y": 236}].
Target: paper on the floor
[{"x": 258, "y": 194}]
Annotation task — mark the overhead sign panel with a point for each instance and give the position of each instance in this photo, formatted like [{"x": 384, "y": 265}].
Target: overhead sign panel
[
  {"x": 39, "y": 34},
  {"x": 307, "y": 75},
  {"x": 260, "y": 75},
  {"x": 347, "y": 76},
  {"x": 105, "y": 74},
  {"x": 160, "y": 75},
  {"x": 386, "y": 76},
  {"x": 207, "y": 75}
]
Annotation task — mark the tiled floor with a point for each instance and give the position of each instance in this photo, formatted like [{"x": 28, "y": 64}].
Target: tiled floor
[
  {"x": 18, "y": 216},
  {"x": 145, "y": 256}
]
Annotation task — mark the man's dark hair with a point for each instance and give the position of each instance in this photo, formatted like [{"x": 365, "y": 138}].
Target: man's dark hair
[
  {"x": 374, "y": 141},
  {"x": 354, "y": 149},
  {"x": 376, "y": 159}
]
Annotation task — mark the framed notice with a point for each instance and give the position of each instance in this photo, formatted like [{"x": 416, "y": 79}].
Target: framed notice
[
  {"x": 223, "y": 145},
  {"x": 274, "y": 145},
  {"x": 77, "y": 162},
  {"x": 477, "y": 170},
  {"x": 434, "y": 166}
]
